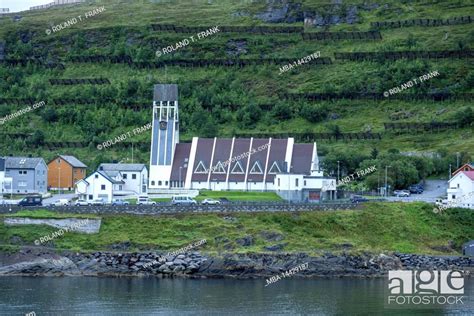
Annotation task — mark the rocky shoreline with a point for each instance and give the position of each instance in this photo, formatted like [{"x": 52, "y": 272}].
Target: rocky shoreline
[{"x": 37, "y": 262}]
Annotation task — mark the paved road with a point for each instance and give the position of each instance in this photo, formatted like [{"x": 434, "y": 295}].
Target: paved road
[
  {"x": 433, "y": 190},
  {"x": 56, "y": 197}
]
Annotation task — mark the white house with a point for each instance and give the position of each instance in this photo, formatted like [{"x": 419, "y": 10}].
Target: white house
[
  {"x": 461, "y": 190},
  {"x": 5, "y": 182},
  {"x": 113, "y": 180}
]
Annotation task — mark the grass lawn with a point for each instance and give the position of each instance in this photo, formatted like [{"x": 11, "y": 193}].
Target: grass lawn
[
  {"x": 239, "y": 196},
  {"x": 379, "y": 227}
]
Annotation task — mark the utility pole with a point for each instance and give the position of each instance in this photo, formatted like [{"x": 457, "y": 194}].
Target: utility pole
[
  {"x": 449, "y": 175},
  {"x": 338, "y": 170},
  {"x": 457, "y": 160}
]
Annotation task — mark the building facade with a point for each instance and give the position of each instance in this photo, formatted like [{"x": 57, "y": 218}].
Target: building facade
[
  {"x": 461, "y": 190},
  {"x": 5, "y": 182},
  {"x": 249, "y": 164},
  {"x": 28, "y": 175},
  {"x": 114, "y": 180},
  {"x": 64, "y": 171}
]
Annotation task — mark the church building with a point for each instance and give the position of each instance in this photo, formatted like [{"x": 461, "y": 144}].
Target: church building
[{"x": 245, "y": 164}]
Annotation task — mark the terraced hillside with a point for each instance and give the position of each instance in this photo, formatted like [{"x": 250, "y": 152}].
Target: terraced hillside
[{"x": 230, "y": 82}]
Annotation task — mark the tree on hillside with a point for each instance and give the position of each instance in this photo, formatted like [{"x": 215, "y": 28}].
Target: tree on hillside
[
  {"x": 249, "y": 115},
  {"x": 374, "y": 153},
  {"x": 36, "y": 140},
  {"x": 203, "y": 124}
]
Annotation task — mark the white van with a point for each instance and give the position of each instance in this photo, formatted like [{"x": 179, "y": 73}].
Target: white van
[
  {"x": 145, "y": 200},
  {"x": 183, "y": 200}
]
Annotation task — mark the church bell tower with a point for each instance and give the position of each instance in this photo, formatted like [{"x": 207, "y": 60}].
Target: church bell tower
[{"x": 165, "y": 134}]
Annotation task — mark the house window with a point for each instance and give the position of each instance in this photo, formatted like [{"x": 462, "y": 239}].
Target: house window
[
  {"x": 125, "y": 176},
  {"x": 134, "y": 176},
  {"x": 296, "y": 182},
  {"x": 458, "y": 185},
  {"x": 152, "y": 182},
  {"x": 97, "y": 176},
  {"x": 304, "y": 182},
  {"x": 166, "y": 182},
  {"x": 43, "y": 172},
  {"x": 120, "y": 187},
  {"x": 90, "y": 197},
  {"x": 278, "y": 181},
  {"x": 453, "y": 197},
  {"x": 102, "y": 187},
  {"x": 159, "y": 182},
  {"x": 22, "y": 183}
]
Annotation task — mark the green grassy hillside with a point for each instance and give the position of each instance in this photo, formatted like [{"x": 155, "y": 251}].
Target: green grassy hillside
[
  {"x": 379, "y": 227},
  {"x": 224, "y": 101}
]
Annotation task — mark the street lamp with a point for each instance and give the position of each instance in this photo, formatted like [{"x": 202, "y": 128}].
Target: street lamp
[
  {"x": 288, "y": 192},
  {"x": 385, "y": 193}
]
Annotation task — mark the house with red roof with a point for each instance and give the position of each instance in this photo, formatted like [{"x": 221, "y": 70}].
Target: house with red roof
[
  {"x": 465, "y": 167},
  {"x": 461, "y": 190}
]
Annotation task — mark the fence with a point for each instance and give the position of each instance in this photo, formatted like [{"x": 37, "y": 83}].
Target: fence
[
  {"x": 195, "y": 62},
  {"x": 78, "y": 81},
  {"x": 422, "y": 22},
  {"x": 310, "y": 137},
  {"x": 25, "y": 62},
  {"x": 404, "y": 54},
  {"x": 376, "y": 96},
  {"x": 320, "y": 36},
  {"x": 228, "y": 29},
  {"x": 401, "y": 127}
]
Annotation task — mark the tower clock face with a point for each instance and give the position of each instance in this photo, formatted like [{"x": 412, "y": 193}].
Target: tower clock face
[{"x": 163, "y": 125}]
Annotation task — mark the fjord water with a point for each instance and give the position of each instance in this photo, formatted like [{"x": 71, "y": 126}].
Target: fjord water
[{"x": 152, "y": 296}]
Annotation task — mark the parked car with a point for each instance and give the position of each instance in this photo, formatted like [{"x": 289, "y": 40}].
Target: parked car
[
  {"x": 98, "y": 201},
  {"x": 183, "y": 200},
  {"x": 145, "y": 200},
  {"x": 210, "y": 202},
  {"x": 120, "y": 202},
  {"x": 358, "y": 199},
  {"x": 417, "y": 189},
  {"x": 81, "y": 202},
  {"x": 31, "y": 201},
  {"x": 401, "y": 193},
  {"x": 60, "y": 202},
  {"x": 441, "y": 201},
  {"x": 224, "y": 201}
]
